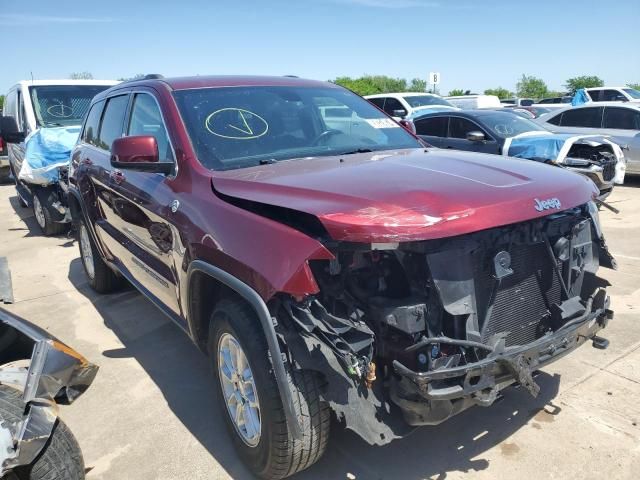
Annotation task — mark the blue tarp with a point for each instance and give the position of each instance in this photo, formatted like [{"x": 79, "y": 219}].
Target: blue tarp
[
  {"x": 46, "y": 150},
  {"x": 538, "y": 147},
  {"x": 579, "y": 98}
]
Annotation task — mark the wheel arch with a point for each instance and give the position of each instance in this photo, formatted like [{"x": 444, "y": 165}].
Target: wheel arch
[{"x": 212, "y": 282}]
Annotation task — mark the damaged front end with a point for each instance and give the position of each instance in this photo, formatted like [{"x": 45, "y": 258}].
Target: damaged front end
[
  {"x": 412, "y": 333},
  {"x": 47, "y": 372}
]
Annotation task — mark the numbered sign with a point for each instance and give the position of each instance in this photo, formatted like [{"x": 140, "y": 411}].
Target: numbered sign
[{"x": 434, "y": 78}]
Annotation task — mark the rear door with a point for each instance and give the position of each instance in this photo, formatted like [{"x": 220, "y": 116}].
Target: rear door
[
  {"x": 432, "y": 129},
  {"x": 456, "y": 139},
  {"x": 623, "y": 124},
  {"x": 142, "y": 203}
]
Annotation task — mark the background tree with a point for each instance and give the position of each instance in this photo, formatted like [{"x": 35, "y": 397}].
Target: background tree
[
  {"x": 499, "y": 92},
  {"x": 137, "y": 76},
  {"x": 585, "y": 81},
  {"x": 456, "y": 92},
  {"x": 418, "y": 85},
  {"x": 81, "y": 76},
  {"x": 635, "y": 86},
  {"x": 531, "y": 87},
  {"x": 372, "y": 84},
  {"x": 1, "y": 102}
]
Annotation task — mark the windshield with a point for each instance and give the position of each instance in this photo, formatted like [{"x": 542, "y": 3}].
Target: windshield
[
  {"x": 236, "y": 127},
  {"x": 632, "y": 92},
  {"x": 425, "y": 100},
  {"x": 62, "y": 105},
  {"x": 509, "y": 125}
]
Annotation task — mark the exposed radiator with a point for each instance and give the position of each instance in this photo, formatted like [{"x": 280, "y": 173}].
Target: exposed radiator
[{"x": 521, "y": 300}]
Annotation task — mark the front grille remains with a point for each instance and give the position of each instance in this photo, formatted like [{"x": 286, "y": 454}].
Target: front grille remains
[
  {"x": 519, "y": 303},
  {"x": 609, "y": 169}
]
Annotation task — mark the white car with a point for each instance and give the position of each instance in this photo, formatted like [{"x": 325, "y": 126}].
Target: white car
[
  {"x": 619, "y": 121},
  {"x": 613, "y": 94},
  {"x": 41, "y": 122},
  {"x": 473, "y": 102},
  {"x": 401, "y": 105}
]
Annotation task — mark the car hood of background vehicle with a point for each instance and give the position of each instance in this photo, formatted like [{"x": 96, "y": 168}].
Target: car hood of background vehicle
[{"x": 408, "y": 195}]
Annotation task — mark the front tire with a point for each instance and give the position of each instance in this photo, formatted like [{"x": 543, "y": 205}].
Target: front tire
[
  {"x": 61, "y": 456},
  {"x": 262, "y": 438},
  {"x": 100, "y": 277},
  {"x": 41, "y": 201}
]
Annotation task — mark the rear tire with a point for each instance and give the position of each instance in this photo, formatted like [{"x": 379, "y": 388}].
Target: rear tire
[
  {"x": 99, "y": 275},
  {"x": 276, "y": 454},
  {"x": 61, "y": 456},
  {"x": 42, "y": 199}
]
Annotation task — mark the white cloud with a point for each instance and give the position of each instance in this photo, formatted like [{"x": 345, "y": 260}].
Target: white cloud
[
  {"x": 391, "y": 3},
  {"x": 18, "y": 19}
]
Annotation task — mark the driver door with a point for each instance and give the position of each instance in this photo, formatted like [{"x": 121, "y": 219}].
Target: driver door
[{"x": 459, "y": 127}]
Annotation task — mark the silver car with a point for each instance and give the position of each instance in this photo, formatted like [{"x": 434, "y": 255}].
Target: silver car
[{"x": 620, "y": 121}]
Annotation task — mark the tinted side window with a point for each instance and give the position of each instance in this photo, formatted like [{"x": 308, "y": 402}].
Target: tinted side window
[
  {"x": 595, "y": 95},
  {"x": 611, "y": 96},
  {"x": 378, "y": 102},
  {"x": 393, "y": 104},
  {"x": 146, "y": 119},
  {"x": 112, "y": 121},
  {"x": 459, "y": 127},
  {"x": 436, "y": 127},
  {"x": 582, "y": 117},
  {"x": 622, "y": 118},
  {"x": 90, "y": 132},
  {"x": 555, "y": 120}
]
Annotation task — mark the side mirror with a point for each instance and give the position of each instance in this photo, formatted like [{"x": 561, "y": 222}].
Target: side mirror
[
  {"x": 475, "y": 136},
  {"x": 9, "y": 130},
  {"x": 399, "y": 113},
  {"x": 138, "y": 153}
]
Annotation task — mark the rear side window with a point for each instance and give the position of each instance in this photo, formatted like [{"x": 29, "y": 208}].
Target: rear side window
[
  {"x": 459, "y": 127},
  {"x": 582, "y": 117},
  {"x": 112, "y": 121},
  {"x": 378, "y": 102},
  {"x": 621, "y": 118},
  {"x": 555, "y": 120},
  {"x": 146, "y": 119},
  {"x": 90, "y": 132},
  {"x": 435, "y": 127}
]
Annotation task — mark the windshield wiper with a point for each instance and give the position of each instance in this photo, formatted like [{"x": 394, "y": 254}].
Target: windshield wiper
[
  {"x": 267, "y": 161},
  {"x": 357, "y": 150},
  {"x": 52, "y": 124}
]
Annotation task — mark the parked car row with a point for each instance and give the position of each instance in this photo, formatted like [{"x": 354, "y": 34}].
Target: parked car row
[{"x": 326, "y": 260}]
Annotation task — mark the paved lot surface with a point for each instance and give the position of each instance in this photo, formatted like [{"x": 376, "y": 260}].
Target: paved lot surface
[{"x": 150, "y": 414}]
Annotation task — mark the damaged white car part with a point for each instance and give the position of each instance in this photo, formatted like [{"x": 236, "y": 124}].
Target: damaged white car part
[{"x": 47, "y": 372}]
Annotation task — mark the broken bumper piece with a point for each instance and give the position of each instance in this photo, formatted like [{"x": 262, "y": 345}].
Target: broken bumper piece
[
  {"x": 47, "y": 372},
  {"x": 429, "y": 398}
]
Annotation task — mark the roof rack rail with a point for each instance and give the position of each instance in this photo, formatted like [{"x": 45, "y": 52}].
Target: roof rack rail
[{"x": 291, "y": 76}]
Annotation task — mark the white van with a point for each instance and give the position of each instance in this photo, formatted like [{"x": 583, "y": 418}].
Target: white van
[
  {"x": 49, "y": 113},
  {"x": 472, "y": 102}
]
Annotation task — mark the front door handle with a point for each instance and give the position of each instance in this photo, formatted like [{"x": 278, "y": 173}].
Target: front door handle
[{"x": 117, "y": 176}]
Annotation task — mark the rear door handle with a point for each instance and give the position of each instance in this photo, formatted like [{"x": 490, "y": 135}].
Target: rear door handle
[{"x": 117, "y": 176}]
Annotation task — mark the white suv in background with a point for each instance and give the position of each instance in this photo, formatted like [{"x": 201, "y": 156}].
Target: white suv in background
[
  {"x": 407, "y": 104},
  {"x": 613, "y": 94}
]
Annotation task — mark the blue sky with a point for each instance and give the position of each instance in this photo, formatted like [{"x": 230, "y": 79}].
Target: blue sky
[{"x": 474, "y": 44}]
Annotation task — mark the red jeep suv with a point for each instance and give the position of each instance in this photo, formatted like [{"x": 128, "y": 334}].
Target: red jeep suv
[{"x": 326, "y": 260}]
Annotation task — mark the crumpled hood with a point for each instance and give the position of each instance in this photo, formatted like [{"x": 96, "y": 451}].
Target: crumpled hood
[{"x": 410, "y": 194}]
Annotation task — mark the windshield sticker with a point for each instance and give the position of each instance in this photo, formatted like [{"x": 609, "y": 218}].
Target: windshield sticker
[
  {"x": 60, "y": 111},
  {"x": 382, "y": 123},
  {"x": 236, "y": 124}
]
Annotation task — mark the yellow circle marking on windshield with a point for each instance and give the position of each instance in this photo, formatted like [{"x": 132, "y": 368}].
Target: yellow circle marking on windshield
[
  {"x": 236, "y": 124},
  {"x": 60, "y": 111}
]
